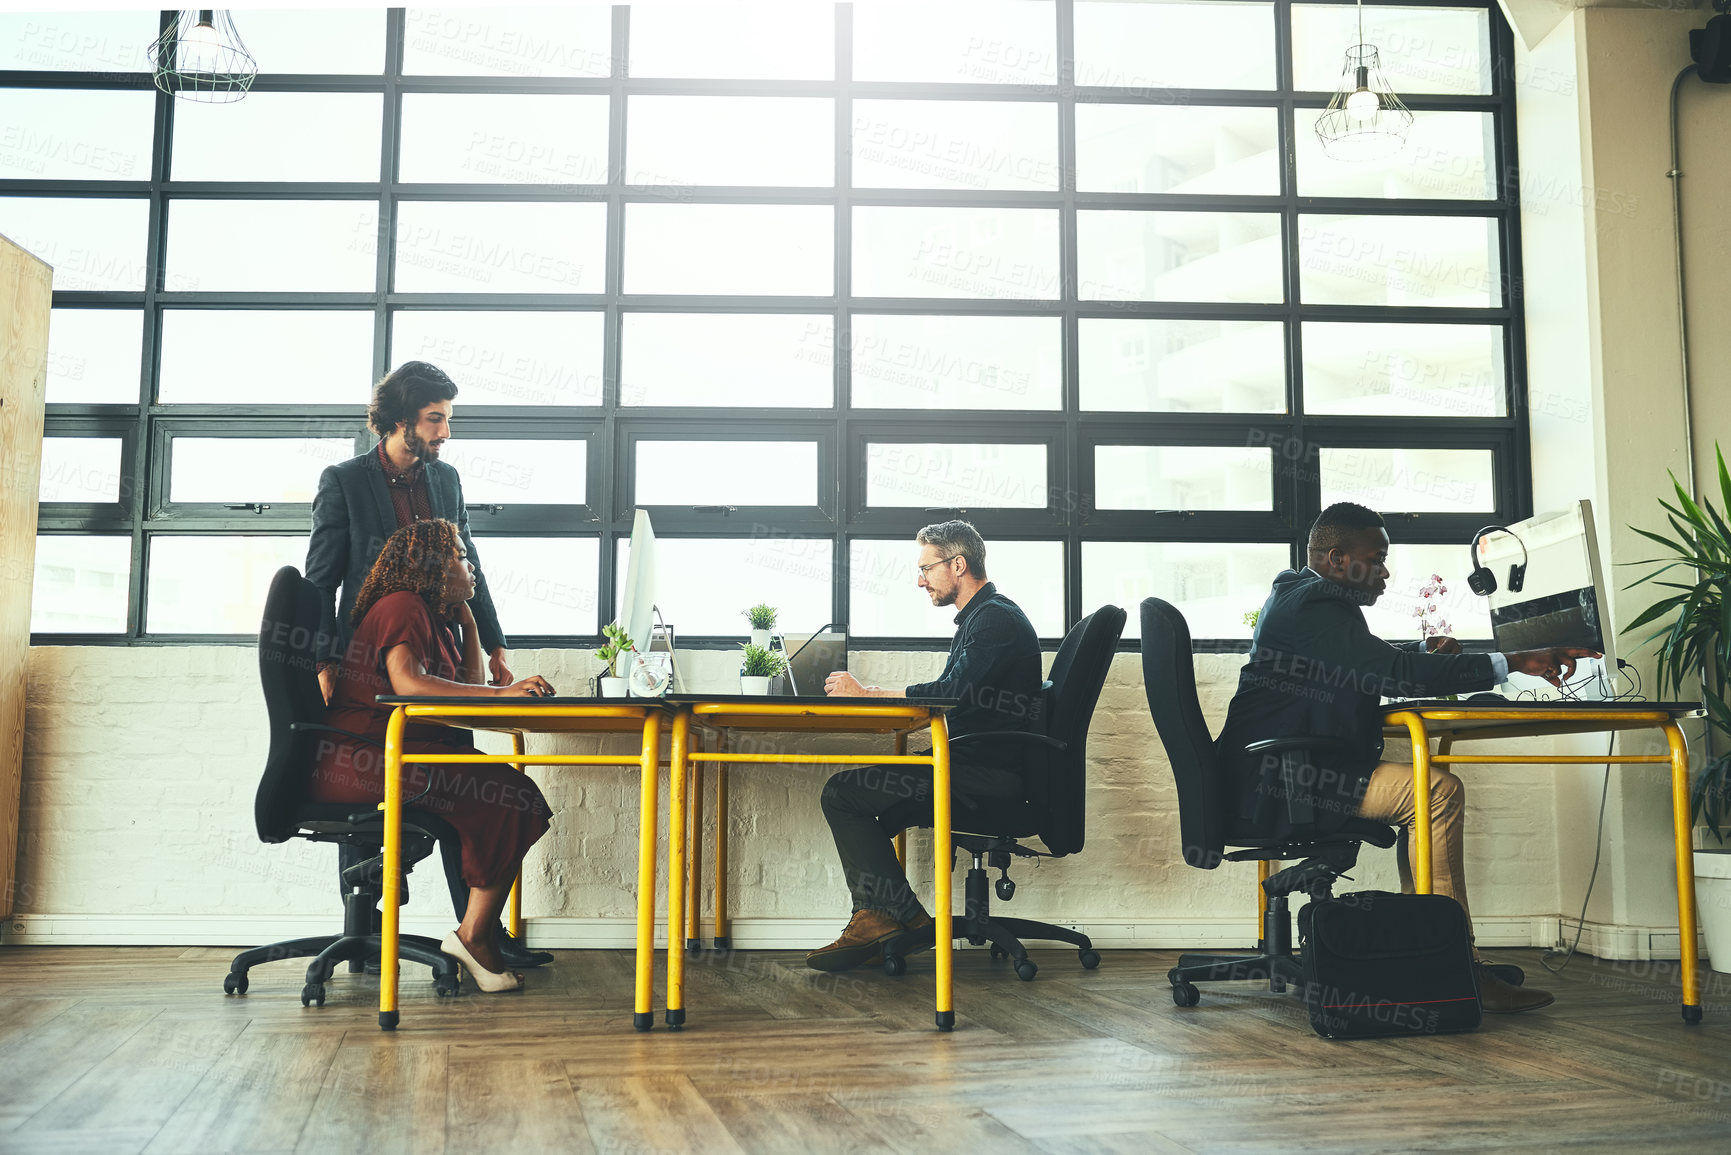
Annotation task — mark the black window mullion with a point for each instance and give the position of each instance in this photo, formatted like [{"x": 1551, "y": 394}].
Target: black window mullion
[
  {"x": 1301, "y": 485},
  {"x": 841, "y": 352},
  {"x": 608, "y": 500},
  {"x": 388, "y": 160},
  {"x": 1518, "y": 472},
  {"x": 1075, "y": 491},
  {"x": 156, "y": 259}
]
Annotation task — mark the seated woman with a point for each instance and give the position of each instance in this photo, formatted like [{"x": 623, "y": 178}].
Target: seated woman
[{"x": 408, "y": 617}]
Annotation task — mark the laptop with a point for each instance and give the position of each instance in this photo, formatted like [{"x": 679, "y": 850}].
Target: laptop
[{"x": 812, "y": 658}]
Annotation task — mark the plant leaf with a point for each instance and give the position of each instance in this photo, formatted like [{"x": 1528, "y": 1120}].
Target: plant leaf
[{"x": 1653, "y": 613}]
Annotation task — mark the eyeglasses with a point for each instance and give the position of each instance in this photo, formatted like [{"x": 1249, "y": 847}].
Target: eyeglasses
[{"x": 940, "y": 561}]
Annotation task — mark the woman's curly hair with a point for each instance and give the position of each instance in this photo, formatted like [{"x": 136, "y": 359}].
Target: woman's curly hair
[{"x": 416, "y": 558}]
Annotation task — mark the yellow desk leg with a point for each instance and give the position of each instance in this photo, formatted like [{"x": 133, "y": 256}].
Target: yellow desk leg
[
  {"x": 677, "y": 880},
  {"x": 693, "y": 873},
  {"x": 514, "y": 911},
  {"x": 902, "y": 838},
  {"x": 643, "y": 1014},
  {"x": 1264, "y": 868},
  {"x": 1420, "y": 803},
  {"x": 942, "y": 868},
  {"x": 393, "y": 870},
  {"x": 723, "y": 933},
  {"x": 1680, "y": 820}
]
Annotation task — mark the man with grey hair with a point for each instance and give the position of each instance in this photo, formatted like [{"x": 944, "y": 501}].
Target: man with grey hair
[{"x": 994, "y": 668}]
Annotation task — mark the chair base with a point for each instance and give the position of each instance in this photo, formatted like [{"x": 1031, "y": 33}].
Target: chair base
[
  {"x": 979, "y": 927},
  {"x": 1274, "y": 963},
  {"x": 358, "y": 945}
]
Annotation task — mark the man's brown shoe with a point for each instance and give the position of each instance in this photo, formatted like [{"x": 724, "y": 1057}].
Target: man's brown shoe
[
  {"x": 864, "y": 937},
  {"x": 914, "y": 926},
  {"x": 1499, "y": 998}
]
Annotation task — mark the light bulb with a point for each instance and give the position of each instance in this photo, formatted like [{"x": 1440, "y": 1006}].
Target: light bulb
[
  {"x": 1363, "y": 104},
  {"x": 203, "y": 34},
  {"x": 201, "y": 48}
]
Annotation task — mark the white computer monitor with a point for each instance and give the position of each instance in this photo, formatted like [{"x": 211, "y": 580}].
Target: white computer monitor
[
  {"x": 1563, "y": 600},
  {"x": 637, "y": 596}
]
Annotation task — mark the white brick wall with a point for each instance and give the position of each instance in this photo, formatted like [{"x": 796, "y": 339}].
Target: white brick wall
[{"x": 140, "y": 767}]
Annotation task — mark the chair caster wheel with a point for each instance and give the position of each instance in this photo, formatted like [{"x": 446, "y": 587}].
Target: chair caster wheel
[
  {"x": 998, "y": 953},
  {"x": 1691, "y": 1015},
  {"x": 313, "y": 994},
  {"x": 895, "y": 966},
  {"x": 234, "y": 984},
  {"x": 1006, "y": 888},
  {"x": 1185, "y": 994},
  {"x": 447, "y": 988},
  {"x": 1090, "y": 959},
  {"x": 1026, "y": 970}
]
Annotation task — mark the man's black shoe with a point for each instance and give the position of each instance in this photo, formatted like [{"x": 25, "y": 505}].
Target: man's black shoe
[{"x": 517, "y": 956}]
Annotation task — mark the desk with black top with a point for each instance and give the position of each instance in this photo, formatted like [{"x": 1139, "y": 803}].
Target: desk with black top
[
  {"x": 1451, "y": 721},
  {"x": 519, "y": 717},
  {"x": 728, "y": 713}
]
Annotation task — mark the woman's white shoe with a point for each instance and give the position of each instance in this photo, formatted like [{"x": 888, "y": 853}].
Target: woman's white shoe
[{"x": 490, "y": 981}]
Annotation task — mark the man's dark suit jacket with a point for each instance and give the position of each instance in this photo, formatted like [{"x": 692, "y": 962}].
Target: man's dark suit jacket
[
  {"x": 1315, "y": 668},
  {"x": 352, "y": 517}
]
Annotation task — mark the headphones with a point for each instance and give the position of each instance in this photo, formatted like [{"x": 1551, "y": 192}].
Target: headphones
[{"x": 1481, "y": 580}]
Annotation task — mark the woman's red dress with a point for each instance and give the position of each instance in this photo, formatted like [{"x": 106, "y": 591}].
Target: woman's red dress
[{"x": 498, "y": 812}]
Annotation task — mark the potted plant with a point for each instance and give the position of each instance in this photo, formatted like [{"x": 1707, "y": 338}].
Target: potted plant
[
  {"x": 616, "y": 644},
  {"x": 1698, "y": 561},
  {"x": 759, "y": 666},
  {"x": 762, "y": 619}
]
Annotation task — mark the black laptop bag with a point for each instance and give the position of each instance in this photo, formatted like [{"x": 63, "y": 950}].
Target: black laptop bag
[{"x": 1378, "y": 964}]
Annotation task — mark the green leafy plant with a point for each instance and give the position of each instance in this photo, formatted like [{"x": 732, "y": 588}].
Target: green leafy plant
[
  {"x": 1251, "y": 618},
  {"x": 761, "y": 616},
  {"x": 1698, "y": 639},
  {"x": 617, "y": 642},
  {"x": 761, "y": 662}
]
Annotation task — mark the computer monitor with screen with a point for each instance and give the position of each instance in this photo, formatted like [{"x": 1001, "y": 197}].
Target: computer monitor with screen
[
  {"x": 637, "y": 595},
  {"x": 1562, "y": 601}
]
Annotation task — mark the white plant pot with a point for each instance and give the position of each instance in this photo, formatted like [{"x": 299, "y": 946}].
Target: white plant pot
[
  {"x": 760, "y": 638},
  {"x": 613, "y": 687},
  {"x": 1713, "y": 905},
  {"x": 759, "y": 686}
]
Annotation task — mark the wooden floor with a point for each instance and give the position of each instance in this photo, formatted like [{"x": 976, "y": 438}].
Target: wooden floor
[{"x": 127, "y": 1050}]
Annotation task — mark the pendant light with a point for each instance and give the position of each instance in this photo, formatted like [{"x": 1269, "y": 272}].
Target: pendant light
[
  {"x": 201, "y": 57},
  {"x": 1365, "y": 120}
]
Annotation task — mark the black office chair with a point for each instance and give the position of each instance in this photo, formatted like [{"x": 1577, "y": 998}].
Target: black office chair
[
  {"x": 1206, "y": 813},
  {"x": 287, "y": 666},
  {"x": 1054, "y": 761}
]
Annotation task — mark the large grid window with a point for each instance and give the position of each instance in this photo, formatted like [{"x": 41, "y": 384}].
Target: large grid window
[{"x": 796, "y": 277}]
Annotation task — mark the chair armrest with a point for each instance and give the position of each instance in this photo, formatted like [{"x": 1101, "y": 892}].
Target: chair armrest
[
  {"x": 320, "y": 727},
  {"x": 1019, "y": 735},
  {"x": 1300, "y": 803},
  {"x": 1306, "y": 742},
  {"x": 304, "y": 727}
]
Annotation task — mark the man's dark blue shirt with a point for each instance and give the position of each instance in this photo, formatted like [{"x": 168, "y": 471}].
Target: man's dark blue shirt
[{"x": 994, "y": 667}]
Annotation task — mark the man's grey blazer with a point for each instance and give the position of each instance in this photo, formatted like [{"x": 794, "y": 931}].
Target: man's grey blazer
[{"x": 352, "y": 517}]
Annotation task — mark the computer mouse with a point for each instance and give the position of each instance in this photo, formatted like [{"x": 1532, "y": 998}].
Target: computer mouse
[{"x": 1485, "y": 696}]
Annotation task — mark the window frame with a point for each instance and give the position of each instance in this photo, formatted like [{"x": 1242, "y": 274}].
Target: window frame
[{"x": 1071, "y": 434}]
